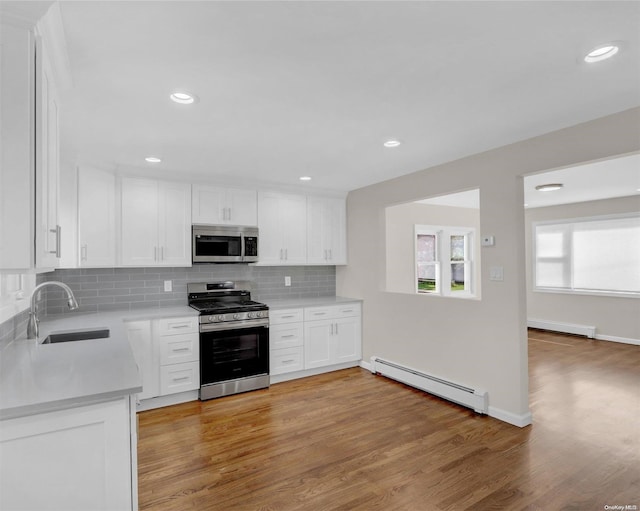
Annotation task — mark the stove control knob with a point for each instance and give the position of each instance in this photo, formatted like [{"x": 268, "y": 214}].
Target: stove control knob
[
  {"x": 236, "y": 316},
  {"x": 210, "y": 319},
  {"x": 259, "y": 314},
  {"x": 250, "y": 315}
]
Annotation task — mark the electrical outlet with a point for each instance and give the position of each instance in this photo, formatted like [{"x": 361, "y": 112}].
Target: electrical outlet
[
  {"x": 168, "y": 286},
  {"x": 287, "y": 281}
]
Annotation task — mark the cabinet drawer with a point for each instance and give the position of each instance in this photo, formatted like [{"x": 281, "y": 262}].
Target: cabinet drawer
[
  {"x": 173, "y": 326},
  {"x": 315, "y": 313},
  {"x": 175, "y": 349},
  {"x": 283, "y": 316},
  {"x": 286, "y": 336},
  {"x": 179, "y": 378},
  {"x": 348, "y": 309},
  {"x": 286, "y": 360}
]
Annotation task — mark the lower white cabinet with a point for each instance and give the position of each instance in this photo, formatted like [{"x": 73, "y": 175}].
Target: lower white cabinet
[
  {"x": 314, "y": 337},
  {"x": 78, "y": 459},
  {"x": 167, "y": 352}
]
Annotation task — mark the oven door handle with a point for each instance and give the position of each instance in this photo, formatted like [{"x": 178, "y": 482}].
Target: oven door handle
[{"x": 216, "y": 327}]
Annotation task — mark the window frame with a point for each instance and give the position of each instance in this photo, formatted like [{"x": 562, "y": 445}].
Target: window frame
[
  {"x": 443, "y": 264},
  {"x": 568, "y": 226}
]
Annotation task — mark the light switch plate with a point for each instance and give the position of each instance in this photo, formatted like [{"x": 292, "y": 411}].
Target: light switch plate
[
  {"x": 287, "y": 281},
  {"x": 496, "y": 273},
  {"x": 168, "y": 286},
  {"x": 488, "y": 241}
]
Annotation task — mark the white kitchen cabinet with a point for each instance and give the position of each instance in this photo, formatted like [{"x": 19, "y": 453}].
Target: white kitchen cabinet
[
  {"x": 326, "y": 231},
  {"x": 78, "y": 459},
  {"x": 47, "y": 159},
  {"x": 332, "y": 335},
  {"x": 155, "y": 223},
  {"x": 96, "y": 218},
  {"x": 30, "y": 231},
  {"x": 179, "y": 364},
  {"x": 286, "y": 341},
  {"x": 283, "y": 228},
  {"x": 219, "y": 206},
  {"x": 146, "y": 355}
]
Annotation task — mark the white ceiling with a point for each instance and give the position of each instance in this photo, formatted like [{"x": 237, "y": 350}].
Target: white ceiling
[{"x": 313, "y": 88}]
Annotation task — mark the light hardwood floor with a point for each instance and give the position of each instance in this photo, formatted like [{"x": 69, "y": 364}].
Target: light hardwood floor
[{"x": 353, "y": 441}]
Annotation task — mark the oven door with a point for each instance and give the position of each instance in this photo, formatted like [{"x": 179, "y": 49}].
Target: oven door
[{"x": 231, "y": 354}]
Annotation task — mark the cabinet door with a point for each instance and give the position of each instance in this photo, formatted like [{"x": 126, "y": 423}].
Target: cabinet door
[
  {"x": 208, "y": 206},
  {"x": 174, "y": 214},
  {"x": 242, "y": 207},
  {"x": 146, "y": 356},
  {"x": 348, "y": 339},
  {"x": 48, "y": 230},
  {"x": 96, "y": 218},
  {"x": 139, "y": 222},
  {"x": 317, "y": 344},
  {"x": 271, "y": 241},
  {"x": 75, "y": 459},
  {"x": 326, "y": 231},
  {"x": 293, "y": 211}
]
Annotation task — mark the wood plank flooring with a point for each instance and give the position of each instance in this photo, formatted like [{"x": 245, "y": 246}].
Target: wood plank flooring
[{"x": 350, "y": 440}]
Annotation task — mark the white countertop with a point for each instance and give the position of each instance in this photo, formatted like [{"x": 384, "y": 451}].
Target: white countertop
[
  {"x": 309, "y": 302},
  {"x": 37, "y": 378}
]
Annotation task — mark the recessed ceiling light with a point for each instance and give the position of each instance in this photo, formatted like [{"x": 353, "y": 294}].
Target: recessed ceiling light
[
  {"x": 392, "y": 143},
  {"x": 152, "y": 159},
  {"x": 601, "y": 53},
  {"x": 305, "y": 178},
  {"x": 182, "y": 97},
  {"x": 549, "y": 187}
]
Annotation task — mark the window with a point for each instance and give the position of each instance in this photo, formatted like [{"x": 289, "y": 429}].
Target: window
[
  {"x": 444, "y": 260},
  {"x": 599, "y": 255}
]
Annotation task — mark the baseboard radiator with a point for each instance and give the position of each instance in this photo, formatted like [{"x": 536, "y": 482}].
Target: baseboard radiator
[
  {"x": 567, "y": 328},
  {"x": 475, "y": 399}
]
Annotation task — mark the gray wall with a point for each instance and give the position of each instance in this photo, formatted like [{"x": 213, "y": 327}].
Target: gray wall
[{"x": 106, "y": 289}]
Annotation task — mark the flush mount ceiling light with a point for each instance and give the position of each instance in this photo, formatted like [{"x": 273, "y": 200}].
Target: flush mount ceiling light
[
  {"x": 602, "y": 52},
  {"x": 549, "y": 187},
  {"x": 305, "y": 178},
  {"x": 152, "y": 159},
  {"x": 392, "y": 143},
  {"x": 183, "y": 97}
]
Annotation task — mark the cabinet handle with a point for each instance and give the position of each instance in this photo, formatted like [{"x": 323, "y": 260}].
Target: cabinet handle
[
  {"x": 155, "y": 253},
  {"x": 181, "y": 378},
  {"x": 330, "y": 254},
  {"x": 183, "y": 325},
  {"x": 175, "y": 350},
  {"x": 336, "y": 328},
  {"x": 319, "y": 313},
  {"x": 162, "y": 253},
  {"x": 347, "y": 310},
  {"x": 286, "y": 254},
  {"x": 331, "y": 329},
  {"x": 83, "y": 252},
  {"x": 57, "y": 231},
  {"x": 229, "y": 214},
  {"x": 287, "y": 336},
  {"x": 288, "y": 316},
  {"x": 288, "y": 361},
  {"x": 281, "y": 252}
]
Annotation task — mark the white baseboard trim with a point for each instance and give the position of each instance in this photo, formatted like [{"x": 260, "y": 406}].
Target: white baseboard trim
[
  {"x": 521, "y": 421},
  {"x": 613, "y": 338},
  {"x": 279, "y": 378},
  {"x": 366, "y": 365},
  {"x": 567, "y": 328}
]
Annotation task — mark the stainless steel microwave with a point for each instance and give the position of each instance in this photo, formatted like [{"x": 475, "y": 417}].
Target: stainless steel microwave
[{"x": 224, "y": 244}]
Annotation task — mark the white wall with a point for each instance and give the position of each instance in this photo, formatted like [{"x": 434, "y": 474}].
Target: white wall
[
  {"x": 400, "y": 225},
  {"x": 480, "y": 343},
  {"x": 617, "y": 318}
]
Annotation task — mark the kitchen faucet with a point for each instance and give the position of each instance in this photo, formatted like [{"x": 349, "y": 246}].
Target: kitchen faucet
[{"x": 32, "y": 326}]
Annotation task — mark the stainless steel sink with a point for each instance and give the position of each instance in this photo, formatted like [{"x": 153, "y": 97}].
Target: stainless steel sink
[{"x": 76, "y": 335}]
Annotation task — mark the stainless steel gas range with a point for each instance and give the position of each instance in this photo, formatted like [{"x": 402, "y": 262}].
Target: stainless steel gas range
[{"x": 234, "y": 339}]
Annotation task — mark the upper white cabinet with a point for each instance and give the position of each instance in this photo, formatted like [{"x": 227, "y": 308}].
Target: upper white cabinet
[
  {"x": 326, "y": 231},
  {"x": 156, "y": 223},
  {"x": 218, "y": 206},
  {"x": 48, "y": 228},
  {"x": 30, "y": 231},
  {"x": 96, "y": 218},
  {"x": 282, "y": 220}
]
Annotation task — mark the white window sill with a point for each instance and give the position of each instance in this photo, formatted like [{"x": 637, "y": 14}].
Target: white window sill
[{"x": 584, "y": 292}]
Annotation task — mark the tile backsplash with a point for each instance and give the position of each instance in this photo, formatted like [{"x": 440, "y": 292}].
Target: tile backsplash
[{"x": 105, "y": 289}]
